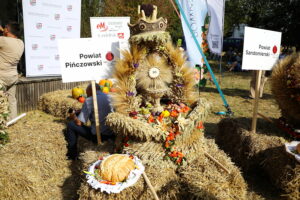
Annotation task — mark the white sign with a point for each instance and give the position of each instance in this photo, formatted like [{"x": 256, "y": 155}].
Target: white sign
[
  {"x": 261, "y": 49},
  {"x": 86, "y": 59},
  {"x": 112, "y": 29},
  {"x": 44, "y": 23}
]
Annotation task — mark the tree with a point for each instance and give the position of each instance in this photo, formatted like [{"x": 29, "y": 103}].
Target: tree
[
  {"x": 129, "y": 8},
  {"x": 282, "y": 16}
]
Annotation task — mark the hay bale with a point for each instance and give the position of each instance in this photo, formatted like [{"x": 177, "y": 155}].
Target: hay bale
[
  {"x": 260, "y": 151},
  {"x": 164, "y": 181},
  {"x": 205, "y": 180},
  {"x": 285, "y": 86},
  {"x": 33, "y": 165},
  {"x": 4, "y": 112},
  {"x": 58, "y": 103},
  {"x": 201, "y": 179}
]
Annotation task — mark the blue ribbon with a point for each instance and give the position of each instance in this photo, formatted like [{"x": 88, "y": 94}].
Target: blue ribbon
[{"x": 204, "y": 57}]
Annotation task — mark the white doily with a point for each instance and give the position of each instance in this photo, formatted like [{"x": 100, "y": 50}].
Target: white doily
[
  {"x": 291, "y": 148},
  {"x": 119, "y": 186}
]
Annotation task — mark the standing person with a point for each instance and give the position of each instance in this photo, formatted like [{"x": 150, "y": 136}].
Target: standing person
[
  {"x": 11, "y": 50},
  {"x": 77, "y": 128}
]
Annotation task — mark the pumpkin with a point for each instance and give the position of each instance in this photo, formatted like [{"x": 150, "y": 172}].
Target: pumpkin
[
  {"x": 81, "y": 99},
  {"x": 116, "y": 168},
  {"x": 77, "y": 92},
  {"x": 102, "y": 82},
  {"x": 105, "y": 90}
]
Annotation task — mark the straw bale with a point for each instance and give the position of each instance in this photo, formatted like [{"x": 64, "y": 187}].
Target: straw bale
[
  {"x": 58, "y": 103},
  {"x": 283, "y": 94},
  {"x": 206, "y": 180},
  {"x": 164, "y": 181},
  {"x": 33, "y": 165},
  {"x": 257, "y": 151},
  {"x": 4, "y": 112}
]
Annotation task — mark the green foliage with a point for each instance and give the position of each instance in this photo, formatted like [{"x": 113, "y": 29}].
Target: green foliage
[
  {"x": 89, "y": 8},
  {"x": 282, "y": 16},
  {"x": 129, "y": 8}
]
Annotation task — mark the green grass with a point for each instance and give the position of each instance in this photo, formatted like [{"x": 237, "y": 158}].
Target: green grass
[{"x": 236, "y": 87}]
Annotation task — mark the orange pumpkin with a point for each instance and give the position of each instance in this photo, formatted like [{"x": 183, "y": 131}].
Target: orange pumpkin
[
  {"x": 81, "y": 99},
  {"x": 102, "y": 82}
]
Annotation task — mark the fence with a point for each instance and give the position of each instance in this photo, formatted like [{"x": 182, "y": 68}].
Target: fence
[{"x": 30, "y": 89}]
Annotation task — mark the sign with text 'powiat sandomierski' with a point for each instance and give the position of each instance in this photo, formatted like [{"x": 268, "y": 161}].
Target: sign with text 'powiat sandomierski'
[
  {"x": 261, "y": 49},
  {"x": 86, "y": 59}
]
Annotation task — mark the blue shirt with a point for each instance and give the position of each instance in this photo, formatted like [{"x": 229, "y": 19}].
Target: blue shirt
[{"x": 104, "y": 108}]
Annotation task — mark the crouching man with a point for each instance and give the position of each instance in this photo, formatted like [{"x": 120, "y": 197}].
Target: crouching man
[{"x": 77, "y": 126}]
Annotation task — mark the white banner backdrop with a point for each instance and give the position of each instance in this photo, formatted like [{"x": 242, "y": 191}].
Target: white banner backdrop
[
  {"x": 261, "y": 49},
  {"x": 196, "y": 12},
  {"x": 114, "y": 29},
  {"x": 44, "y": 23},
  {"x": 86, "y": 59},
  {"x": 215, "y": 32}
]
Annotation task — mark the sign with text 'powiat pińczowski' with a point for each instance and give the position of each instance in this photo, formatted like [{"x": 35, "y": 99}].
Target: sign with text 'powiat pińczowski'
[
  {"x": 86, "y": 59},
  {"x": 261, "y": 49}
]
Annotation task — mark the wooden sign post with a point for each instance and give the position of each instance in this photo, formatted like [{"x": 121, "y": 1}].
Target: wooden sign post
[
  {"x": 95, "y": 102},
  {"x": 255, "y": 107}
]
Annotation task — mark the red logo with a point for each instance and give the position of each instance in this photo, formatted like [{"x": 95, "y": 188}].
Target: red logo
[
  {"x": 40, "y": 67},
  {"x": 275, "y": 49},
  {"x": 56, "y": 57},
  {"x": 109, "y": 56},
  {"x": 102, "y": 26},
  {"x": 121, "y": 35},
  {"x": 34, "y": 46},
  {"x": 57, "y": 16},
  {"x": 69, "y": 8},
  {"x": 69, "y": 28},
  {"x": 39, "y": 25},
  {"x": 52, "y": 37},
  {"x": 33, "y": 2}
]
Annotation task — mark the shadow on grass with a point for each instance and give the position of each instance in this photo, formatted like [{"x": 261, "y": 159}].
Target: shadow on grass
[{"x": 233, "y": 92}]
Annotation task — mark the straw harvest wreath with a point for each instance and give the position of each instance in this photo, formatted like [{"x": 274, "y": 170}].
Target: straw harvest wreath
[{"x": 159, "y": 116}]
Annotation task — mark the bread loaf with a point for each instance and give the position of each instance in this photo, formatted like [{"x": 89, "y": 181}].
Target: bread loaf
[{"x": 116, "y": 168}]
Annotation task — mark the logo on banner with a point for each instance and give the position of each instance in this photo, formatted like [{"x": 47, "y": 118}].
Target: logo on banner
[
  {"x": 40, "y": 67},
  {"x": 52, "y": 37},
  {"x": 109, "y": 56},
  {"x": 56, "y": 57},
  {"x": 39, "y": 25},
  {"x": 69, "y": 28},
  {"x": 121, "y": 35},
  {"x": 57, "y": 16},
  {"x": 33, "y": 2},
  {"x": 102, "y": 27},
  {"x": 69, "y": 8},
  {"x": 274, "y": 49},
  {"x": 34, "y": 46}
]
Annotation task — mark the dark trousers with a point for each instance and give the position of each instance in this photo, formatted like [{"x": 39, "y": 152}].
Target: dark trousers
[{"x": 73, "y": 131}]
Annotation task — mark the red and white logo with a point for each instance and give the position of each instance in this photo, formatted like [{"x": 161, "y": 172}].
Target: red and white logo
[
  {"x": 35, "y": 46},
  {"x": 52, "y": 37},
  {"x": 56, "y": 57},
  {"x": 32, "y": 2},
  {"x": 102, "y": 27},
  {"x": 40, "y": 67},
  {"x": 69, "y": 8},
  {"x": 57, "y": 16},
  {"x": 121, "y": 35},
  {"x": 109, "y": 56},
  {"x": 275, "y": 49},
  {"x": 39, "y": 25},
  {"x": 69, "y": 28}
]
